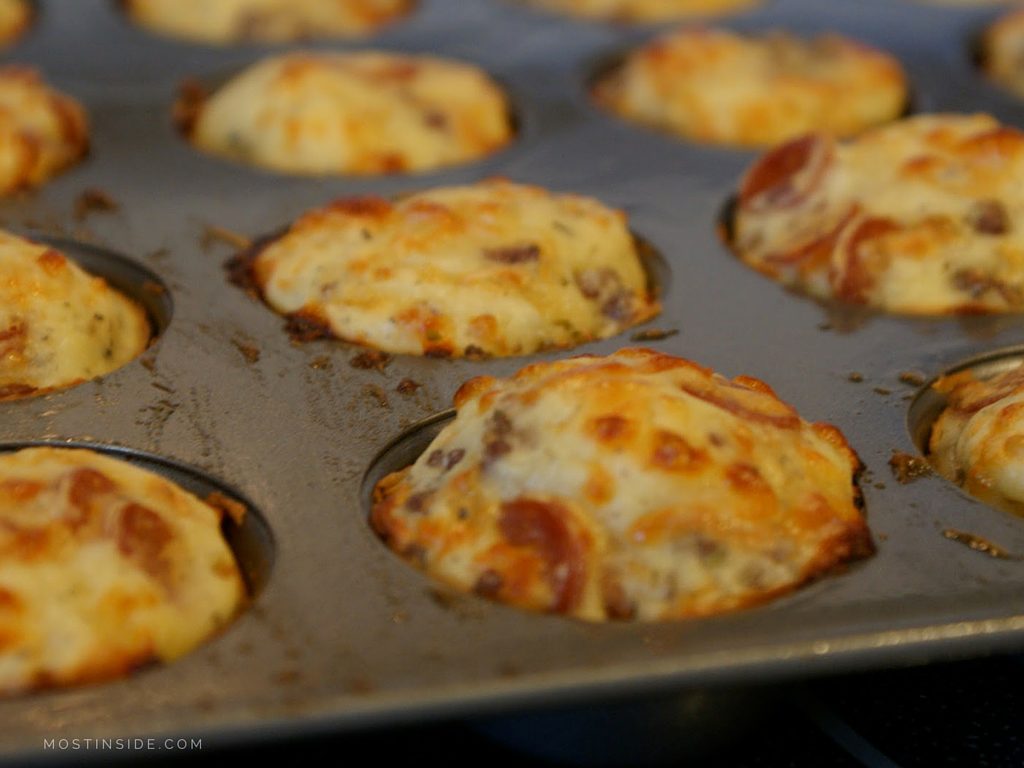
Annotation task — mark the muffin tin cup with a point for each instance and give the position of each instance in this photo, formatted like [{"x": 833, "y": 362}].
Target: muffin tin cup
[{"x": 346, "y": 635}]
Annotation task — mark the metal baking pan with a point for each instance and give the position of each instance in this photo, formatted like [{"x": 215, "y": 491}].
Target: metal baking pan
[{"x": 343, "y": 634}]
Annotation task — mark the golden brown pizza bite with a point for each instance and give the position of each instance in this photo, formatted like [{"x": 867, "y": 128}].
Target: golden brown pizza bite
[
  {"x": 42, "y": 131},
  {"x": 920, "y": 217},
  {"x": 493, "y": 268},
  {"x": 978, "y": 439},
  {"x": 634, "y": 486},
  {"x": 232, "y": 21},
  {"x": 644, "y": 10},
  {"x": 717, "y": 86},
  {"x": 59, "y": 325},
  {"x": 15, "y": 17},
  {"x": 350, "y": 113},
  {"x": 1002, "y": 51},
  {"x": 103, "y": 567},
  {"x": 966, "y": 3}
]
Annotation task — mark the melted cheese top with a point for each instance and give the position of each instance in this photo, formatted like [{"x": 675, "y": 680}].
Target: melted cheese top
[
  {"x": 228, "y": 21},
  {"x": 491, "y": 268},
  {"x": 712, "y": 85},
  {"x": 59, "y": 325},
  {"x": 631, "y": 486},
  {"x": 645, "y": 10},
  {"x": 105, "y": 567},
  {"x": 42, "y": 131},
  {"x": 978, "y": 440},
  {"x": 925, "y": 216},
  {"x": 354, "y": 113}
]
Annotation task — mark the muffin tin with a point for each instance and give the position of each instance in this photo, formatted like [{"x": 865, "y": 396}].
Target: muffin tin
[{"x": 342, "y": 633}]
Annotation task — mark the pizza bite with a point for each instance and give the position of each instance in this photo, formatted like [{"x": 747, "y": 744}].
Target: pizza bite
[
  {"x": 921, "y": 217},
  {"x": 42, "y": 131},
  {"x": 361, "y": 113},
  {"x": 60, "y": 325},
  {"x": 15, "y": 18},
  {"x": 644, "y": 11},
  {"x": 492, "y": 268},
  {"x": 222, "y": 22},
  {"x": 105, "y": 567},
  {"x": 634, "y": 486},
  {"x": 977, "y": 441},
  {"x": 722, "y": 87}
]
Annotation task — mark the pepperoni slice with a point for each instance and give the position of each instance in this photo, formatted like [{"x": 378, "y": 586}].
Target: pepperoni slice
[
  {"x": 815, "y": 251},
  {"x": 142, "y": 536},
  {"x": 969, "y": 395},
  {"x": 86, "y": 484},
  {"x": 543, "y": 527},
  {"x": 743, "y": 401},
  {"x": 787, "y": 175},
  {"x": 854, "y": 279}
]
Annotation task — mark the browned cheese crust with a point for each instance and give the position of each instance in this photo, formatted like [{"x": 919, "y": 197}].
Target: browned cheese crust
[
  {"x": 921, "y": 217},
  {"x": 15, "y": 19},
  {"x": 978, "y": 440},
  {"x": 721, "y": 87},
  {"x": 1002, "y": 51},
  {"x": 492, "y": 268},
  {"x": 634, "y": 486},
  {"x": 362, "y": 113},
  {"x": 59, "y": 325},
  {"x": 223, "y": 22},
  {"x": 104, "y": 567},
  {"x": 42, "y": 131},
  {"x": 644, "y": 11}
]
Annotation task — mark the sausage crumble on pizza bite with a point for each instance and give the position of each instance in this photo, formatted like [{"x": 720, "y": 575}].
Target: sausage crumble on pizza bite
[
  {"x": 266, "y": 21},
  {"x": 722, "y": 87},
  {"x": 977, "y": 441},
  {"x": 641, "y": 11},
  {"x": 349, "y": 113},
  {"x": 492, "y": 268},
  {"x": 105, "y": 567},
  {"x": 921, "y": 217},
  {"x": 60, "y": 325},
  {"x": 634, "y": 486}
]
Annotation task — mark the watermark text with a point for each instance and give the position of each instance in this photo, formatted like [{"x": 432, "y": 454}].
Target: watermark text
[{"x": 122, "y": 745}]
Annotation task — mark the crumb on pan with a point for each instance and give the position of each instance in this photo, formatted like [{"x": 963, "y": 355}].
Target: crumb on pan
[
  {"x": 94, "y": 200},
  {"x": 371, "y": 359},
  {"x": 907, "y": 468},
  {"x": 654, "y": 334},
  {"x": 215, "y": 234},
  {"x": 407, "y": 387},
  {"x": 978, "y": 544}
]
